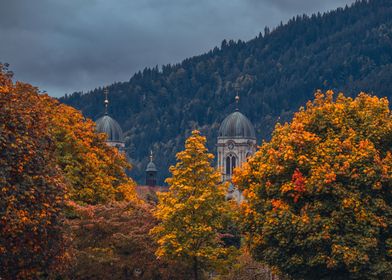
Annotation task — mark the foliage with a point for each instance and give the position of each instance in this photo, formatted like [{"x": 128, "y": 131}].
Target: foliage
[
  {"x": 32, "y": 241},
  {"x": 319, "y": 193},
  {"x": 112, "y": 242},
  {"x": 349, "y": 49},
  {"x": 49, "y": 152},
  {"x": 95, "y": 172},
  {"x": 245, "y": 268},
  {"x": 193, "y": 213}
]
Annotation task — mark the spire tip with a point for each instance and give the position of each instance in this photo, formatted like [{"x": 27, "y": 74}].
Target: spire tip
[
  {"x": 106, "y": 102},
  {"x": 237, "y": 100}
]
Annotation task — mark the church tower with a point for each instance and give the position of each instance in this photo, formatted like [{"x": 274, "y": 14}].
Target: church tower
[
  {"x": 236, "y": 142},
  {"x": 108, "y": 125},
  {"x": 151, "y": 173}
]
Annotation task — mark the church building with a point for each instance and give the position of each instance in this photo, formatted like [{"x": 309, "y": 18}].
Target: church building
[
  {"x": 236, "y": 142},
  {"x": 151, "y": 173},
  {"x": 111, "y": 128}
]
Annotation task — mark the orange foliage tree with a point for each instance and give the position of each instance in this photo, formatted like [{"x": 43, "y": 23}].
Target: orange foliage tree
[
  {"x": 319, "y": 197},
  {"x": 112, "y": 242},
  {"x": 31, "y": 186},
  {"x": 95, "y": 172},
  {"x": 49, "y": 152}
]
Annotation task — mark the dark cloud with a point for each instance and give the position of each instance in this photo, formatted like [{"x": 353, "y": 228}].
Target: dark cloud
[
  {"x": 64, "y": 46},
  {"x": 305, "y": 6}
]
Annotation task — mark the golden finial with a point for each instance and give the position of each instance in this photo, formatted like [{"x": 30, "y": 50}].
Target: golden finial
[
  {"x": 237, "y": 100},
  {"x": 106, "y": 91}
]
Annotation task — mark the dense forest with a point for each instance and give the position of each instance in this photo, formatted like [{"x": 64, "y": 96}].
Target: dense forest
[{"x": 349, "y": 50}]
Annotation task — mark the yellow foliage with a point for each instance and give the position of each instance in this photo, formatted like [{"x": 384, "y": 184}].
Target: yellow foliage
[
  {"x": 193, "y": 213},
  {"x": 324, "y": 178},
  {"x": 95, "y": 172}
]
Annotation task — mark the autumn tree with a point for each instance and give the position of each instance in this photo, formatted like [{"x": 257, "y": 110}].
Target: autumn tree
[
  {"x": 112, "y": 242},
  {"x": 95, "y": 172},
  {"x": 192, "y": 214},
  {"x": 49, "y": 152},
  {"x": 31, "y": 186},
  {"x": 319, "y": 200}
]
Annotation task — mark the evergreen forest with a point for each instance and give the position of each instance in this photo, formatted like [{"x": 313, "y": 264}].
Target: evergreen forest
[{"x": 348, "y": 49}]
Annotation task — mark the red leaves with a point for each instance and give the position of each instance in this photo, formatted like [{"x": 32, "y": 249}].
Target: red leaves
[
  {"x": 299, "y": 184},
  {"x": 343, "y": 148},
  {"x": 32, "y": 189}
]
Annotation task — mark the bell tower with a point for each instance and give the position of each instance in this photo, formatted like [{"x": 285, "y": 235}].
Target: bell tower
[
  {"x": 110, "y": 127},
  {"x": 236, "y": 142},
  {"x": 151, "y": 173}
]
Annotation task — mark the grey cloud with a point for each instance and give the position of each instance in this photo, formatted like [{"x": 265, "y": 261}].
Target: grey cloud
[
  {"x": 303, "y": 6},
  {"x": 68, "y": 45}
]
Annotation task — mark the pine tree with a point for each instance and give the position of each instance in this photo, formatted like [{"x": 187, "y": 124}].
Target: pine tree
[{"x": 192, "y": 214}]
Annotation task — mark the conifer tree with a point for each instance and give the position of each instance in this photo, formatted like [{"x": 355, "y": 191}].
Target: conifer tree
[{"x": 192, "y": 214}]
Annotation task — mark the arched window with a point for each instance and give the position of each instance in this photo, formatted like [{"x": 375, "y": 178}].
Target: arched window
[
  {"x": 231, "y": 163},
  {"x": 228, "y": 165}
]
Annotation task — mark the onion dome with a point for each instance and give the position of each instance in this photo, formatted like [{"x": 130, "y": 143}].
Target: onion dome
[
  {"x": 108, "y": 125},
  {"x": 151, "y": 165},
  {"x": 236, "y": 125}
]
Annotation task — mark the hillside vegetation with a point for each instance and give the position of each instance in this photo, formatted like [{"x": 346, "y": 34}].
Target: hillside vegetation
[{"x": 349, "y": 49}]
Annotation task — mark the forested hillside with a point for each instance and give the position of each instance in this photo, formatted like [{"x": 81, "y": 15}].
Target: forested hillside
[{"x": 349, "y": 50}]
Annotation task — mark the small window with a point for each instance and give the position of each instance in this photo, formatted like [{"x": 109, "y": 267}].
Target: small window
[
  {"x": 231, "y": 163},
  {"x": 228, "y": 164}
]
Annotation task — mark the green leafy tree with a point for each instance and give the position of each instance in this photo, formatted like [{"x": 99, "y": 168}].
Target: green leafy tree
[
  {"x": 319, "y": 199},
  {"x": 193, "y": 213}
]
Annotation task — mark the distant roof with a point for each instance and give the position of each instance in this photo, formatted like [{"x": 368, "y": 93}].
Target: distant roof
[
  {"x": 108, "y": 125},
  {"x": 236, "y": 125},
  {"x": 151, "y": 167}
]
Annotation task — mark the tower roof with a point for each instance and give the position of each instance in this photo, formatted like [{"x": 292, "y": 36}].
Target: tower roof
[
  {"x": 151, "y": 165},
  {"x": 236, "y": 125},
  {"x": 108, "y": 125}
]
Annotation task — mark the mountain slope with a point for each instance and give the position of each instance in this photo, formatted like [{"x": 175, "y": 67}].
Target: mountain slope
[{"x": 349, "y": 50}]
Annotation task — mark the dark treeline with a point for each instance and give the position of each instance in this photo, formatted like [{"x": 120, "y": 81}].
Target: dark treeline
[{"x": 349, "y": 50}]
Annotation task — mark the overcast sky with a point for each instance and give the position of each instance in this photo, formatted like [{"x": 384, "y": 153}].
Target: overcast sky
[{"x": 63, "y": 46}]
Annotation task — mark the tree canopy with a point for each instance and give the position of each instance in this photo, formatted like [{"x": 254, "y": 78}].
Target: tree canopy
[
  {"x": 192, "y": 214},
  {"x": 319, "y": 200},
  {"x": 32, "y": 188},
  {"x": 95, "y": 172},
  {"x": 50, "y": 155}
]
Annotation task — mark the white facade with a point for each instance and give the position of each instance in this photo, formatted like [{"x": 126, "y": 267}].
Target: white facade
[
  {"x": 236, "y": 142},
  {"x": 120, "y": 145},
  {"x": 232, "y": 153}
]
